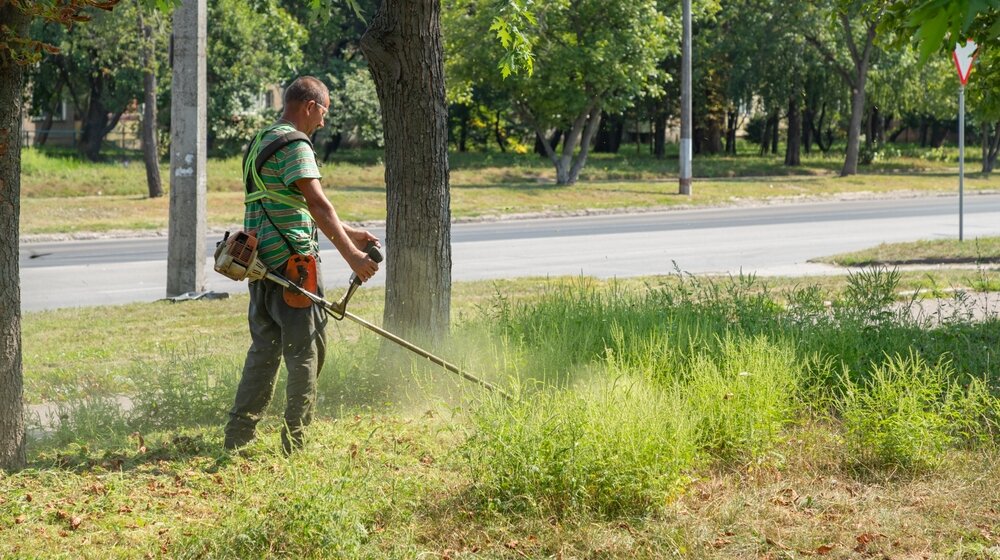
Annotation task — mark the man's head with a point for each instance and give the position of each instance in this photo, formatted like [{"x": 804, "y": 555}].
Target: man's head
[{"x": 307, "y": 101}]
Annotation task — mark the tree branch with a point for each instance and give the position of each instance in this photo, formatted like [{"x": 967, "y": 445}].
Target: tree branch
[
  {"x": 825, "y": 53},
  {"x": 845, "y": 22}
]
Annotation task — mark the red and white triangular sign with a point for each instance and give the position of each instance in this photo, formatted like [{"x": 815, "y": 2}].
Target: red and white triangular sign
[{"x": 964, "y": 57}]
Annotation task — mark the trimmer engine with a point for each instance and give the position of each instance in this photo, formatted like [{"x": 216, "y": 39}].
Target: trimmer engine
[{"x": 236, "y": 257}]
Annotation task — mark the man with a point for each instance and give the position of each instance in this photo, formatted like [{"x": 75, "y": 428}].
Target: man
[{"x": 285, "y": 209}]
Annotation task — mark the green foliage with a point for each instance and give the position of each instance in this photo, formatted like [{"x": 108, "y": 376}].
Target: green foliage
[
  {"x": 937, "y": 25},
  {"x": 354, "y": 106},
  {"x": 588, "y": 56},
  {"x": 908, "y": 412},
  {"x": 250, "y": 47},
  {"x": 615, "y": 447}
]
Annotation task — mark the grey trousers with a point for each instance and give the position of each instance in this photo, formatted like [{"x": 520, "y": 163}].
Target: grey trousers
[{"x": 277, "y": 331}]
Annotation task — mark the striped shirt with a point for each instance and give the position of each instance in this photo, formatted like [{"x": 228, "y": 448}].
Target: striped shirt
[{"x": 279, "y": 173}]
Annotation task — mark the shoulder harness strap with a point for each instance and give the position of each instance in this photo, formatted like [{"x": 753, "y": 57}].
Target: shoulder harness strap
[{"x": 255, "y": 189}]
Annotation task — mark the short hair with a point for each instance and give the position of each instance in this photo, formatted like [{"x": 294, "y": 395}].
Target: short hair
[{"x": 305, "y": 89}]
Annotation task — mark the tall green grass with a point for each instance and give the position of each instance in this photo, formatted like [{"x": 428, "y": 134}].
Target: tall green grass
[
  {"x": 638, "y": 387},
  {"x": 624, "y": 394}
]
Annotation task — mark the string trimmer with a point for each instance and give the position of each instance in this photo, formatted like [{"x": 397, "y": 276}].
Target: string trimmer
[{"x": 236, "y": 258}]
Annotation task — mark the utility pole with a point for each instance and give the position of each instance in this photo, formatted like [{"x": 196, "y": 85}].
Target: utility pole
[
  {"x": 686, "y": 148},
  {"x": 188, "y": 135}
]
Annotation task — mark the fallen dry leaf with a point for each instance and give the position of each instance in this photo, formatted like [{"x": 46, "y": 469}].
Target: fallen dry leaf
[
  {"x": 19, "y": 519},
  {"x": 825, "y": 549},
  {"x": 864, "y": 539},
  {"x": 75, "y": 522},
  {"x": 720, "y": 542}
]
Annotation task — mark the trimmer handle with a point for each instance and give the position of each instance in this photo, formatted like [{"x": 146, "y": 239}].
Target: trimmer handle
[{"x": 374, "y": 253}]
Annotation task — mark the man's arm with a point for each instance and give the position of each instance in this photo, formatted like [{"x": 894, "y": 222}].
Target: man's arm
[{"x": 349, "y": 241}]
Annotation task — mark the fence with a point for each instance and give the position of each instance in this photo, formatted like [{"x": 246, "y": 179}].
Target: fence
[{"x": 125, "y": 136}]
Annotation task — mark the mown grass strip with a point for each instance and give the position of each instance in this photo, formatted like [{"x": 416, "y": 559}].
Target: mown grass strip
[{"x": 978, "y": 250}]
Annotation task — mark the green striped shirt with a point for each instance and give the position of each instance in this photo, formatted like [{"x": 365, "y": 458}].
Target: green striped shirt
[{"x": 279, "y": 173}]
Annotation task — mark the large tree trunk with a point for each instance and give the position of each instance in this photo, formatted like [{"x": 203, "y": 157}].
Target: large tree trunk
[
  {"x": 403, "y": 48},
  {"x": 150, "y": 150},
  {"x": 792, "y": 157},
  {"x": 12, "y": 455}
]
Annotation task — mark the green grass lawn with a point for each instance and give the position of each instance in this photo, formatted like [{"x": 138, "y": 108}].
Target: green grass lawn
[
  {"x": 979, "y": 250},
  {"x": 657, "y": 417},
  {"x": 61, "y": 194}
]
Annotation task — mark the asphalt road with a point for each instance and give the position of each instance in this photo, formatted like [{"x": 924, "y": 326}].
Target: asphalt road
[{"x": 766, "y": 240}]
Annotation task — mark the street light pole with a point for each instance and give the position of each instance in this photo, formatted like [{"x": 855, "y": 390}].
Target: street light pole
[{"x": 685, "y": 156}]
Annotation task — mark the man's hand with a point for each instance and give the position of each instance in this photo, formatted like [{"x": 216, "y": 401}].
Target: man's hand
[
  {"x": 361, "y": 238},
  {"x": 362, "y": 265}
]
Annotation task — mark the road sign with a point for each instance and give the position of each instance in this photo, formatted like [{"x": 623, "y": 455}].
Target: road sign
[{"x": 964, "y": 56}]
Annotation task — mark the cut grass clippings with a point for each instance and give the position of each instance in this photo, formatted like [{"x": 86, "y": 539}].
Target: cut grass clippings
[{"x": 979, "y": 250}]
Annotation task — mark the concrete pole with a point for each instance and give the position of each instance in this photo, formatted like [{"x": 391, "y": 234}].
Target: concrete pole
[
  {"x": 686, "y": 146},
  {"x": 188, "y": 135},
  {"x": 961, "y": 162}
]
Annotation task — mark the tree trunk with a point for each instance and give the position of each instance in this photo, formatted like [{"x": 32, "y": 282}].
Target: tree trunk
[
  {"x": 500, "y": 136},
  {"x": 765, "y": 136},
  {"x": 42, "y": 133},
  {"x": 95, "y": 121},
  {"x": 991, "y": 145},
  {"x": 660, "y": 135},
  {"x": 150, "y": 150},
  {"x": 403, "y": 48},
  {"x": 588, "y": 134},
  {"x": 923, "y": 132},
  {"x": 584, "y": 127},
  {"x": 732, "y": 118},
  {"x": 854, "y": 129},
  {"x": 807, "y": 125},
  {"x": 12, "y": 454},
  {"x": 463, "y": 135},
  {"x": 792, "y": 157},
  {"x": 775, "y": 125},
  {"x": 609, "y": 135},
  {"x": 540, "y": 139},
  {"x": 938, "y": 134}
]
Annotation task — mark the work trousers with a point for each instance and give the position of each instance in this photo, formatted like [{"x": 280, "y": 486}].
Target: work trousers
[{"x": 278, "y": 330}]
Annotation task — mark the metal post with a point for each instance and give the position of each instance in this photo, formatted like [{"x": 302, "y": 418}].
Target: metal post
[
  {"x": 685, "y": 163},
  {"x": 961, "y": 161},
  {"x": 188, "y": 135}
]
